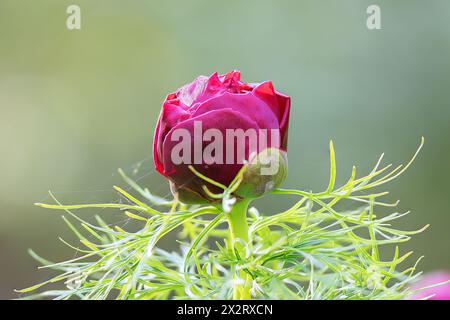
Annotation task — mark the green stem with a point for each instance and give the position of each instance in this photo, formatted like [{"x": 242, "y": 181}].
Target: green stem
[{"x": 237, "y": 220}]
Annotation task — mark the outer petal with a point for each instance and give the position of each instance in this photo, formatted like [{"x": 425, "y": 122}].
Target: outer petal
[
  {"x": 171, "y": 114},
  {"x": 221, "y": 102},
  {"x": 285, "y": 106},
  {"x": 280, "y": 105},
  {"x": 156, "y": 147}
]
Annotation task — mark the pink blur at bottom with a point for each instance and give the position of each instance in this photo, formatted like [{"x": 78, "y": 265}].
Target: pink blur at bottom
[{"x": 441, "y": 292}]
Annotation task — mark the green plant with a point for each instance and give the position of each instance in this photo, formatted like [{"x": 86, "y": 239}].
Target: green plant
[{"x": 313, "y": 250}]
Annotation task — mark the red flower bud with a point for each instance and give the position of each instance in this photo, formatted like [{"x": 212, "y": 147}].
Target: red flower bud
[{"x": 215, "y": 124}]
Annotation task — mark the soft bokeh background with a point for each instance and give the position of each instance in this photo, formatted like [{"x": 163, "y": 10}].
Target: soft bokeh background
[{"x": 77, "y": 105}]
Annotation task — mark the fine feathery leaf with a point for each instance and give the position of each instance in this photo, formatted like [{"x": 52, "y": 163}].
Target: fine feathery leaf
[{"x": 313, "y": 250}]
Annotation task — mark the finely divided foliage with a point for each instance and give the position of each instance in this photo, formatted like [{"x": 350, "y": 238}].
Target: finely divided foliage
[{"x": 313, "y": 250}]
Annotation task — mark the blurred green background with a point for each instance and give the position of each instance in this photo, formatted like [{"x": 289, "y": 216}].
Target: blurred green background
[{"x": 77, "y": 105}]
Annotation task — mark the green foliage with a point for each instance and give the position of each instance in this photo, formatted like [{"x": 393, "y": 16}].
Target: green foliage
[{"x": 313, "y": 250}]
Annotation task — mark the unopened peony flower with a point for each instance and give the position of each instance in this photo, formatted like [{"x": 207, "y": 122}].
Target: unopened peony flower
[
  {"x": 440, "y": 292},
  {"x": 222, "y": 142},
  {"x": 217, "y": 124}
]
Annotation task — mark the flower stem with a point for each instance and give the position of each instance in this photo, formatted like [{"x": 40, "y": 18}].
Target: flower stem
[{"x": 237, "y": 220}]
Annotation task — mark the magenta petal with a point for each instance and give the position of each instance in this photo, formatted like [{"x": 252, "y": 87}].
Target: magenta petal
[
  {"x": 441, "y": 292},
  {"x": 169, "y": 117},
  {"x": 245, "y": 104},
  {"x": 156, "y": 149},
  {"x": 285, "y": 106}
]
